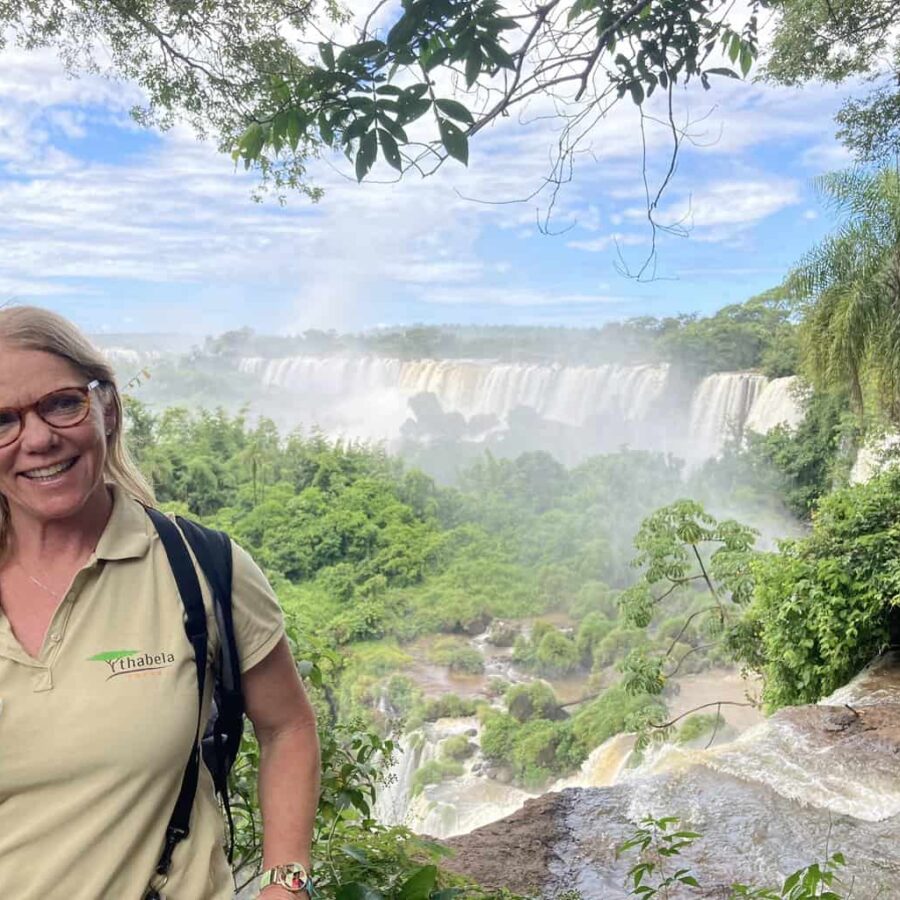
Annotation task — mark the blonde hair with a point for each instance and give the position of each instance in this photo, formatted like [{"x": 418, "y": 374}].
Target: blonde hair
[{"x": 32, "y": 328}]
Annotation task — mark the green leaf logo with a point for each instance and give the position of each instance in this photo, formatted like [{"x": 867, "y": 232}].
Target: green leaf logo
[{"x": 110, "y": 655}]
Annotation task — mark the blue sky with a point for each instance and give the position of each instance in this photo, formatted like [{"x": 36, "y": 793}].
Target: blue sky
[{"x": 128, "y": 230}]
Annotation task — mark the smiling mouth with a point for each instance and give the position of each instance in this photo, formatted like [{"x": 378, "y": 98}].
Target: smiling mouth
[{"x": 48, "y": 472}]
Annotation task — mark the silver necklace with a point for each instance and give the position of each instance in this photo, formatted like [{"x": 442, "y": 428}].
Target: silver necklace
[{"x": 56, "y": 596}]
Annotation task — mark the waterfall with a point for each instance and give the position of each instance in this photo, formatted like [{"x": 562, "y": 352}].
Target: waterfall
[
  {"x": 568, "y": 394},
  {"x": 366, "y": 396},
  {"x": 604, "y": 766},
  {"x": 592, "y": 409},
  {"x": 777, "y": 404},
  {"x": 461, "y": 805},
  {"x": 786, "y": 754},
  {"x": 414, "y": 750},
  {"x": 453, "y": 806},
  {"x": 719, "y": 410},
  {"x": 874, "y": 456},
  {"x": 126, "y": 357},
  {"x": 810, "y": 781}
]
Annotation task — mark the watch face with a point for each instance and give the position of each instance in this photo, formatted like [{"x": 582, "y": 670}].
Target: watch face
[{"x": 293, "y": 877}]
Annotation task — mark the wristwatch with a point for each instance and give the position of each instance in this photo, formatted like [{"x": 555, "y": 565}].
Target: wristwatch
[{"x": 292, "y": 876}]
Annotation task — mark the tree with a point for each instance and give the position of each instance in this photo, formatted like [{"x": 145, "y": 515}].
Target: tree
[
  {"x": 849, "y": 288},
  {"x": 685, "y": 554},
  {"x": 758, "y": 333},
  {"x": 821, "y": 606},
  {"x": 248, "y": 75},
  {"x": 837, "y": 40},
  {"x": 259, "y": 79}
]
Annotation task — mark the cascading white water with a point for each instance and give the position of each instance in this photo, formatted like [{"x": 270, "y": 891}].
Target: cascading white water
[
  {"x": 366, "y": 396},
  {"x": 414, "y": 750},
  {"x": 604, "y": 766},
  {"x": 787, "y": 755},
  {"x": 778, "y": 403},
  {"x": 875, "y": 456},
  {"x": 569, "y": 394},
  {"x": 123, "y": 357},
  {"x": 455, "y": 806},
  {"x": 719, "y": 410}
]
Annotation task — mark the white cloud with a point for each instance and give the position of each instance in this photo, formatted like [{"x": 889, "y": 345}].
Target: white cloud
[
  {"x": 827, "y": 157},
  {"x": 597, "y": 245},
  {"x": 175, "y": 213},
  {"x": 719, "y": 211},
  {"x": 511, "y": 296}
]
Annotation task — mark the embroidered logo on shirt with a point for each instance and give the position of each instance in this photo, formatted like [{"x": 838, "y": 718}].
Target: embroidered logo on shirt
[{"x": 133, "y": 662}]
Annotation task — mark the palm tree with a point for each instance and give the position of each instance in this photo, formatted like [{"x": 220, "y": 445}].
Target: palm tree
[{"x": 849, "y": 292}]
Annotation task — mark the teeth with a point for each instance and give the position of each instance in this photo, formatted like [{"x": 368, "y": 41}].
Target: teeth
[{"x": 49, "y": 471}]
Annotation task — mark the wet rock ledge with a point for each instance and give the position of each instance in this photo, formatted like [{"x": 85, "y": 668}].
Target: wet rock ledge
[
  {"x": 515, "y": 852},
  {"x": 812, "y": 780}
]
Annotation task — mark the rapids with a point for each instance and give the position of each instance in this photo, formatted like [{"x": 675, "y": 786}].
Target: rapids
[
  {"x": 807, "y": 782},
  {"x": 458, "y": 804}
]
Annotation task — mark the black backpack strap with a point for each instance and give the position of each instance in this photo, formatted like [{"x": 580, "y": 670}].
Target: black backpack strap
[
  {"x": 222, "y": 742},
  {"x": 195, "y": 627},
  {"x": 213, "y": 551}
]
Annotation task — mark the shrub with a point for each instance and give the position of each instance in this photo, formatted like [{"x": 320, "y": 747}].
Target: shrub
[
  {"x": 402, "y": 694},
  {"x": 819, "y": 610},
  {"x": 556, "y": 654},
  {"x": 612, "y": 712},
  {"x": 523, "y": 651},
  {"x": 457, "y": 748},
  {"x": 617, "y": 645},
  {"x": 548, "y": 651},
  {"x": 699, "y": 725},
  {"x": 532, "y": 701},
  {"x": 541, "y": 747},
  {"x": 434, "y": 771},
  {"x": 497, "y": 735},
  {"x": 457, "y": 655},
  {"x": 502, "y": 634},
  {"x": 447, "y": 706},
  {"x": 593, "y": 628}
]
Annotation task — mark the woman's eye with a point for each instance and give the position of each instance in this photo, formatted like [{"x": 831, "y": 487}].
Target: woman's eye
[{"x": 62, "y": 405}]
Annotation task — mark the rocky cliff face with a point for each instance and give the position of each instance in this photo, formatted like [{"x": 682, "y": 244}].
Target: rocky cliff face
[{"x": 810, "y": 781}]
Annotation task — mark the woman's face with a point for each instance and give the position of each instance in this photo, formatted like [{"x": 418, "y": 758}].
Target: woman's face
[{"x": 26, "y": 375}]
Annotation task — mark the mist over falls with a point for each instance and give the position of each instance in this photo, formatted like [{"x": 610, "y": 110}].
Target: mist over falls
[
  {"x": 572, "y": 411},
  {"x": 649, "y": 407}
]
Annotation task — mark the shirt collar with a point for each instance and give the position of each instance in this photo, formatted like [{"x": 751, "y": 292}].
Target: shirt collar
[{"x": 127, "y": 533}]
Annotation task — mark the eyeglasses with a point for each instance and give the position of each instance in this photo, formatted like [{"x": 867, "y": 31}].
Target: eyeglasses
[{"x": 62, "y": 408}]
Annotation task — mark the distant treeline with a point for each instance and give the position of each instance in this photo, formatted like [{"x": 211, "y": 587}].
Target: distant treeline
[{"x": 759, "y": 334}]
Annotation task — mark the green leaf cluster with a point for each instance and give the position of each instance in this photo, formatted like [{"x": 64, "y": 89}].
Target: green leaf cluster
[
  {"x": 820, "y": 606},
  {"x": 658, "y": 872}
]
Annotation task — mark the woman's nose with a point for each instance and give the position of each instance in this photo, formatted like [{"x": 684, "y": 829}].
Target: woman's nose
[{"x": 37, "y": 435}]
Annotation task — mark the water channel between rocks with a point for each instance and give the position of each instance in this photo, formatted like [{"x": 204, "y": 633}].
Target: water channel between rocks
[{"x": 457, "y": 805}]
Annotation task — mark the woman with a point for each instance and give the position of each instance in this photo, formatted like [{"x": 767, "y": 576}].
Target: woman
[{"x": 98, "y": 688}]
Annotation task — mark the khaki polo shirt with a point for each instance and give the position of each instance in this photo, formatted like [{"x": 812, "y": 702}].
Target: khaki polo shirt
[{"x": 95, "y": 732}]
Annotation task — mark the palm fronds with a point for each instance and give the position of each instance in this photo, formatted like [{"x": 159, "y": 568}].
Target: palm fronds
[{"x": 848, "y": 288}]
